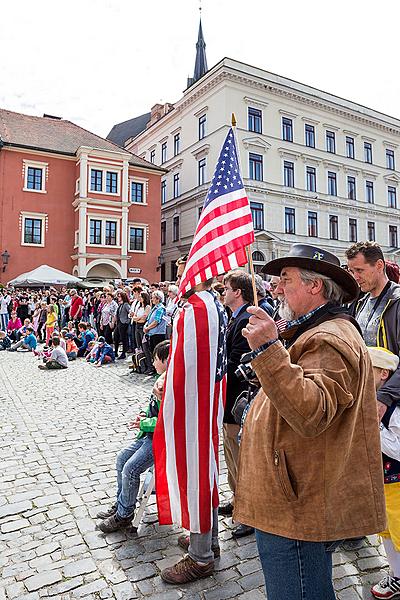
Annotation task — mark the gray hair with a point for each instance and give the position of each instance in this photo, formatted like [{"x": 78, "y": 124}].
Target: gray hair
[
  {"x": 159, "y": 295},
  {"x": 260, "y": 287},
  {"x": 330, "y": 289},
  {"x": 173, "y": 288}
]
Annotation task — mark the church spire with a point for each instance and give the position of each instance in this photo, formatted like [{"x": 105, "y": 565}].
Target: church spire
[{"x": 200, "y": 66}]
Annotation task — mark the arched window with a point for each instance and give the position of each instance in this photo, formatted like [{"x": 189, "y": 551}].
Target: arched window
[{"x": 258, "y": 256}]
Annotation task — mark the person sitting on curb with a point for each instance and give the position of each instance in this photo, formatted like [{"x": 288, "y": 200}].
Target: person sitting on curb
[
  {"x": 385, "y": 363},
  {"x": 5, "y": 342},
  {"x": 138, "y": 457},
  {"x": 58, "y": 357},
  {"x": 27, "y": 342},
  {"x": 105, "y": 353}
]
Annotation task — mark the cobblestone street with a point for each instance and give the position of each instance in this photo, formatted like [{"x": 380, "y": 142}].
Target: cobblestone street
[{"x": 60, "y": 432}]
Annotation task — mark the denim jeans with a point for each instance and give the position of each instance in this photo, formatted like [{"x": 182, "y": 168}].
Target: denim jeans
[
  {"x": 200, "y": 543},
  {"x": 4, "y": 318},
  {"x": 131, "y": 462},
  {"x": 295, "y": 570}
]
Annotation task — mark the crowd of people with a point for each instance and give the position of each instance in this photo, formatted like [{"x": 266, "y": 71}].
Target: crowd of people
[{"x": 312, "y": 402}]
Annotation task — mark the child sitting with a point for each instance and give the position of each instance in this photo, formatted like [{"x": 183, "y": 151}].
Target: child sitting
[
  {"x": 136, "y": 458},
  {"x": 58, "y": 358},
  {"x": 5, "y": 341},
  {"x": 86, "y": 335},
  {"x": 71, "y": 348},
  {"x": 27, "y": 342},
  {"x": 92, "y": 351},
  {"x": 14, "y": 325},
  {"x": 385, "y": 363},
  {"x": 104, "y": 354}
]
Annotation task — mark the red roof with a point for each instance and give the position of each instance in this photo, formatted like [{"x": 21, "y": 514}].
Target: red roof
[{"x": 52, "y": 134}]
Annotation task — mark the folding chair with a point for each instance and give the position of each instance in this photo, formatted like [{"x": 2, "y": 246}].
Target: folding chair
[{"x": 144, "y": 494}]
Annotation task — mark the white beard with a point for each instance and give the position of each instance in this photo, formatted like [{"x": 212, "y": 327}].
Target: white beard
[{"x": 285, "y": 312}]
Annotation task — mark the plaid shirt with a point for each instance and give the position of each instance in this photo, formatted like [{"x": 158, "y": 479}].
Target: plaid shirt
[{"x": 303, "y": 318}]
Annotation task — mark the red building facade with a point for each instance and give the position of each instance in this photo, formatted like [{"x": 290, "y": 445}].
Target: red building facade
[{"x": 74, "y": 201}]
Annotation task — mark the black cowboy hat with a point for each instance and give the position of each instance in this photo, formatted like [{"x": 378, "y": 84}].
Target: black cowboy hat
[{"x": 315, "y": 259}]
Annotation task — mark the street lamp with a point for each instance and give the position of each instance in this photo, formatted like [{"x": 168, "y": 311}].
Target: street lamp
[{"x": 5, "y": 257}]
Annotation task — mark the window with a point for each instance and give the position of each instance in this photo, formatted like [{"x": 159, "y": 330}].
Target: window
[
  {"x": 258, "y": 256},
  {"x": 174, "y": 270},
  {"x": 393, "y": 236},
  {"x": 312, "y": 224},
  {"x": 392, "y": 197},
  {"x": 95, "y": 231},
  {"x": 163, "y": 152},
  {"x": 288, "y": 174},
  {"x": 350, "y": 153},
  {"x": 333, "y": 227},
  {"x": 352, "y": 230},
  {"x": 111, "y": 233},
  {"x": 309, "y": 135},
  {"x": 152, "y": 156},
  {"x": 175, "y": 229},
  {"x": 137, "y": 192},
  {"x": 201, "y": 171},
  {"x": 371, "y": 231},
  {"x": 136, "y": 239},
  {"x": 290, "y": 220},
  {"x": 257, "y": 213},
  {"x": 332, "y": 185},
  {"x": 311, "y": 179},
  {"x": 111, "y": 182},
  {"x": 176, "y": 185},
  {"x": 330, "y": 142},
  {"x": 390, "y": 159},
  {"x": 351, "y": 188},
  {"x": 255, "y": 120},
  {"x": 369, "y": 192},
  {"x": 202, "y": 126},
  {"x": 163, "y": 192},
  {"x": 163, "y": 233},
  {"x": 33, "y": 231},
  {"x": 255, "y": 166},
  {"x": 177, "y": 142},
  {"x": 287, "y": 129},
  {"x": 34, "y": 179},
  {"x": 368, "y": 152},
  {"x": 96, "y": 180}
]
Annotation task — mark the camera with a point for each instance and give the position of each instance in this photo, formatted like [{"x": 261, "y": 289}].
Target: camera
[{"x": 244, "y": 371}]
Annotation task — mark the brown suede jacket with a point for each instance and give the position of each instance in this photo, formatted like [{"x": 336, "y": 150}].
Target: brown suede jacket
[{"x": 310, "y": 460}]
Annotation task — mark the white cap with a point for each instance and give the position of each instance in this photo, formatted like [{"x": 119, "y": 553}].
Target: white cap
[{"x": 383, "y": 359}]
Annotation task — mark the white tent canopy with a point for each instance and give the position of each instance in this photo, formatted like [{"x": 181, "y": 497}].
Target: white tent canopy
[{"x": 44, "y": 275}]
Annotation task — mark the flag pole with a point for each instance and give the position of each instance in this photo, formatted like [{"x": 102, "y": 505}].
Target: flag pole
[{"x": 248, "y": 248}]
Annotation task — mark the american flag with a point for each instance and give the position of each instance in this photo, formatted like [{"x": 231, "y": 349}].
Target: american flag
[
  {"x": 225, "y": 227},
  {"x": 186, "y": 438}
]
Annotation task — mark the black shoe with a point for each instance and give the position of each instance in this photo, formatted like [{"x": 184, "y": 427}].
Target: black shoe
[
  {"x": 242, "y": 531},
  {"x": 150, "y": 372},
  {"x": 104, "y": 514},
  {"x": 121, "y": 356},
  {"x": 115, "y": 523},
  {"x": 226, "y": 509}
]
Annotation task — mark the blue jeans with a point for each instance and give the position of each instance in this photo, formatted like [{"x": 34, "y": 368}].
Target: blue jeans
[
  {"x": 4, "y": 318},
  {"x": 295, "y": 570},
  {"x": 131, "y": 462}
]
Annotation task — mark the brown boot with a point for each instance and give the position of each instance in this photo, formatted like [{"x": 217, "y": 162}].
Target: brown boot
[
  {"x": 184, "y": 541},
  {"x": 187, "y": 570},
  {"x": 114, "y": 523}
]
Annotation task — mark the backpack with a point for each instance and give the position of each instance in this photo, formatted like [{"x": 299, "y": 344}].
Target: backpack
[{"x": 139, "y": 361}]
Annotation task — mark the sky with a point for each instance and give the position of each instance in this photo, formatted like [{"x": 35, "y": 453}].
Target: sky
[{"x": 100, "y": 62}]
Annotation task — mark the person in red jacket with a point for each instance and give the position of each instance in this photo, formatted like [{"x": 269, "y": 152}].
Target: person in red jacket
[{"x": 75, "y": 311}]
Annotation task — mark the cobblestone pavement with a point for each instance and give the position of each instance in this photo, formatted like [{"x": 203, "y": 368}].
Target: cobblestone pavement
[{"x": 60, "y": 432}]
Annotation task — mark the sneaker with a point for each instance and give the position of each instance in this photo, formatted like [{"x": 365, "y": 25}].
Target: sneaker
[
  {"x": 388, "y": 587},
  {"x": 43, "y": 367},
  {"x": 187, "y": 570},
  {"x": 104, "y": 514},
  {"x": 184, "y": 541},
  {"x": 114, "y": 523}
]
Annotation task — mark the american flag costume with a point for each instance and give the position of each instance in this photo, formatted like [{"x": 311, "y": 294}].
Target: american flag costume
[{"x": 186, "y": 438}]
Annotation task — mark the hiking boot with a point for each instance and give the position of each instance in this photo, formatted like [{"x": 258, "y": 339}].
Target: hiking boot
[
  {"x": 115, "y": 523},
  {"x": 104, "y": 514},
  {"x": 388, "y": 587},
  {"x": 187, "y": 570},
  {"x": 184, "y": 541}
]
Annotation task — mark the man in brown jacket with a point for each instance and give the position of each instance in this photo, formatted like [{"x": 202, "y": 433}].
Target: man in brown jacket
[{"x": 310, "y": 467}]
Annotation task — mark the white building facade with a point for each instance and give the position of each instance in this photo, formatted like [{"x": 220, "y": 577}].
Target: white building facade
[{"x": 317, "y": 168}]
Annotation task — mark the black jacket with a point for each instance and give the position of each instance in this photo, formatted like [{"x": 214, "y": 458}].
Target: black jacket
[{"x": 236, "y": 345}]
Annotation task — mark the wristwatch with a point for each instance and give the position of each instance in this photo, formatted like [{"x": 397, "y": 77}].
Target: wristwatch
[{"x": 262, "y": 348}]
